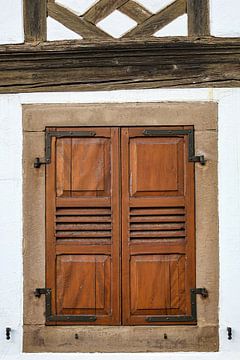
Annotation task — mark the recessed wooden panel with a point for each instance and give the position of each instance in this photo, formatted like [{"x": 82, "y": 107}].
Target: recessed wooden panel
[
  {"x": 157, "y": 283},
  {"x": 89, "y": 160},
  {"x": 156, "y": 166},
  {"x": 83, "y": 284},
  {"x": 83, "y": 166}
]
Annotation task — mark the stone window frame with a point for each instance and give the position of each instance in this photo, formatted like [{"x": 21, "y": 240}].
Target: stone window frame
[{"x": 37, "y": 337}]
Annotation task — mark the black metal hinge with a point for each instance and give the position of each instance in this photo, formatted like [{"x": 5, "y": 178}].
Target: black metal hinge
[
  {"x": 58, "y": 134},
  {"x": 191, "y": 148},
  {"x": 183, "y": 318},
  {"x": 55, "y": 318}
]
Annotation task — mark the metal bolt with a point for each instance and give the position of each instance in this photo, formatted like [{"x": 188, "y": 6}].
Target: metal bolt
[
  {"x": 229, "y": 331},
  {"x": 8, "y": 333}
]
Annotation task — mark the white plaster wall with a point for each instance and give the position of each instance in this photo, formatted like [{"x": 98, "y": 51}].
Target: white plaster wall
[
  {"x": 11, "y": 215},
  {"x": 225, "y": 18},
  {"x": 11, "y": 22}
]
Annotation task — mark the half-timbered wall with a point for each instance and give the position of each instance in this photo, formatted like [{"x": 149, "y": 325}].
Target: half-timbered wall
[
  {"x": 224, "y": 22},
  {"x": 11, "y": 209},
  {"x": 224, "y": 16}
]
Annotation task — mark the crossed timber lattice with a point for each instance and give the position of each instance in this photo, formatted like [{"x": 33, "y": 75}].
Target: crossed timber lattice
[{"x": 147, "y": 23}]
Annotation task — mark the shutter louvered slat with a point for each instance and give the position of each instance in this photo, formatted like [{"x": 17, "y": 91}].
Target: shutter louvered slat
[
  {"x": 83, "y": 224},
  {"x": 156, "y": 224}
]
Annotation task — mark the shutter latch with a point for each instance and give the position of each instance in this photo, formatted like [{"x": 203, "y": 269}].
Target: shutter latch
[
  {"x": 41, "y": 291},
  {"x": 58, "y": 134}
]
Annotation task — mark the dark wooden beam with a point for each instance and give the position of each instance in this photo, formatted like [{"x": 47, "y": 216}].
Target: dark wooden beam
[
  {"x": 102, "y": 9},
  {"x": 135, "y": 11},
  {"x": 35, "y": 20},
  {"x": 158, "y": 20},
  {"x": 198, "y": 17},
  {"x": 76, "y": 66},
  {"x": 75, "y": 23}
]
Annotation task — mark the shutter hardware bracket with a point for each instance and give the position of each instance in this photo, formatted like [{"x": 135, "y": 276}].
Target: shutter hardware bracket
[
  {"x": 58, "y": 134},
  {"x": 191, "y": 148},
  {"x": 61, "y": 318},
  {"x": 183, "y": 318},
  {"x": 91, "y": 318}
]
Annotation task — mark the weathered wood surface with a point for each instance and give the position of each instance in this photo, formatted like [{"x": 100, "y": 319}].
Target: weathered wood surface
[
  {"x": 35, "y": 20},
  {"x": 148, "y": 23},
  {"x": 198, "y": 17},
  {"x": 75, "y": 23},
  {"x": 102, "y": 9},
  {"x": 135, "y": 11},
  {"x": 159, "y": 20},
  {"x": 74, "y": 66}
]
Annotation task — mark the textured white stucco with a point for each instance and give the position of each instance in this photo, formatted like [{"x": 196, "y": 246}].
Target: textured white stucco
[
  {"x": 11, "y": 215},
  {"x": 11, "y": 22}
]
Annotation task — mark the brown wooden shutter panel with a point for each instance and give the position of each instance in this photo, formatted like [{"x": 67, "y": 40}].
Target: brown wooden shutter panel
[
  {"x": 158, "y": 251},
  {"x": 90, "y": 270},
  {"x": 82, "y": 198}
]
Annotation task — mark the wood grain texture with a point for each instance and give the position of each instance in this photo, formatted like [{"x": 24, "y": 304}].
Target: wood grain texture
[
  {"x": 198, "y": 17},
  {"x": 102, "y": 9},
  {"x": 82, "y": 236},
  {"x": 72, "y": 66},
  {"x": 75, "y": 23},
  {"x": 157, "y": 209},
  {"x": 35, "y": 20},
  {"x": 158, "y": 21},
  {"x": 135, "y": 11}
]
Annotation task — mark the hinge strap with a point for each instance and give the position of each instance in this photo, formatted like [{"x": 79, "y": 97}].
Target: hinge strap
[
  {"x": 58, "y": 134},
  {"x": 55, "y": 318},
  {"x": 183, "y": 318},
  {"x": 191, "y": 148}
]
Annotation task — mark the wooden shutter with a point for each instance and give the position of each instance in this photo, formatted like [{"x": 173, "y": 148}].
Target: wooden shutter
[
  {"x": 82, "y": 232},
  {"x": 158, "y": 249}
]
